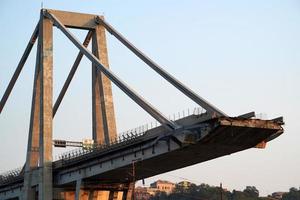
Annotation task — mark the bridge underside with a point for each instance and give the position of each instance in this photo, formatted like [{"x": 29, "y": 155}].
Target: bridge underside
[
  {"x": 228, "y": 136},
  {"x": 153, "y": 154}
]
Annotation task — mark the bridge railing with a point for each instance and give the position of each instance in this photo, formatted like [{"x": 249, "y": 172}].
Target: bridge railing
[
  {"x": 119, "y": 141},
  {"x": 127, "y": 136},
  {"x": 9, "y": 176},
  {"x": 174, "y": 117},
  {"x": 123, "y": 139}
]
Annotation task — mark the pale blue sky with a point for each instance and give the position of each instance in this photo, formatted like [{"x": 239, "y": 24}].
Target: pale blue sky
[{"x": 240, "y": 55}]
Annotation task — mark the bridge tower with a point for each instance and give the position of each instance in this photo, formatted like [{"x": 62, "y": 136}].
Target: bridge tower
[
  {"x": 105, "y": 171},
  {"x": 39, "y": 150},
  {"x": 40, "y": 141}
]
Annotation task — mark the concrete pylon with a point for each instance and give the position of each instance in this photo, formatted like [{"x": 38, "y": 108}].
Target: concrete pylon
[
  {"x": 39, "y": 149},
  {"x": 46, "y": 89},
  {"x": 32, "y": 156},
  {"x": 104, "y": 125}
]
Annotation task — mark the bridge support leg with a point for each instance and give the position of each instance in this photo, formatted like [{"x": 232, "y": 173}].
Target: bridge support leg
[
  {"x": 104, "y": 125},
  {"x": 113, "y": 195},
  {"x": 128, "y": 194},
  {"x": 78, "y": 190},
  {"x": 45, "y": 182},
  {"x": 32, "y": 156}
]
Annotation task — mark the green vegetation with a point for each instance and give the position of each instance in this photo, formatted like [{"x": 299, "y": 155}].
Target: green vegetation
[
  {"x": 293, "y": 194},
  {"x": 206, "y": 192}
]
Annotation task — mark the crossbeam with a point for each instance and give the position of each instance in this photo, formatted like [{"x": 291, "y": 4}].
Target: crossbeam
[
  {"x": 116, "y": 80},
  {"x": 171, "y": 79},
  {"x": 19, "y": 68},
  {"x": 76, "y": 20}
]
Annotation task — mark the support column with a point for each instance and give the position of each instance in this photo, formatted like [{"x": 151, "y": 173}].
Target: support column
[
  {"x": 46, "y": 36},
  {"x": 128, "y": 194},
  {"x": 113, "y": 195},
  {"x": 124, "y": 195},
  {"x": 32, "y": 156},
  {"x": 78, "y": 190},
  {"x": 104, "y": 125}
]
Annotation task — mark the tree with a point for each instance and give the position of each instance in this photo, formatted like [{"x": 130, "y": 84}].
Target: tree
[
  {"x": 251, "y": 191},
  {"x": 160, "y": 196},
  {"x": 293, "y": 194},
  {"x": 207, "y": 192}
]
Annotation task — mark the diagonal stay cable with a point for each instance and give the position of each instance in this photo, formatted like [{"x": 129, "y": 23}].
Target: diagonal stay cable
[
  {"x": 167, "y": 76},
  {"x": 19, "y": 67},
  {"x": 71, "y": 74},
  {"x": 170, "y": 125}
]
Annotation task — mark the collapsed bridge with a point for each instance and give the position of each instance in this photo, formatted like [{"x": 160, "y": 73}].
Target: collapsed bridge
[{"x": 114, "y": 164}]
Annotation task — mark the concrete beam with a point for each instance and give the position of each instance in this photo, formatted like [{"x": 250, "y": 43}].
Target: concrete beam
[
  {"x": 76, "y": 20},
  {"x": 104, "y": 124},
  {"x": 34, "y": 130},
  {"x": 78, "y": 189},
  {"x": 13, "y": 193},
  {"x": 46, "y": 35}
]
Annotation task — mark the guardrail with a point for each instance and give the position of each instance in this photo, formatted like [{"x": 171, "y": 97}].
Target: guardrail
[
  {"x": 9, "y": 176},
  {"x": 174, "y": 117},
  {"x": 123, "y": 138},
  {"x": 119, "y": 141}
]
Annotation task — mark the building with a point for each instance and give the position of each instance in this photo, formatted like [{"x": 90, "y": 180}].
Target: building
[
  {"x": 184, "y": 184},
  {"x": 163, "y": 186},
  {"x": 144, "y": 193},
  {"x": 277, "y": 195},
  {"x": 141, "y": 193}
]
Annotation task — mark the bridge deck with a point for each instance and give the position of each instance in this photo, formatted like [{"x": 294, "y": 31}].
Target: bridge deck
[
  {"x": 200, "y": 139},
  {"x": 227, "y": 136}
]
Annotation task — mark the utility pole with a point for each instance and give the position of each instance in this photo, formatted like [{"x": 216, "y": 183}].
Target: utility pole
[
  {"x": 133, "y": 179},
  {"x": 221, "y": 191}
]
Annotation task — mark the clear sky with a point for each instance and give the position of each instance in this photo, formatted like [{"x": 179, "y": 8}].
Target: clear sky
[{"x": 240, "y": 55}]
